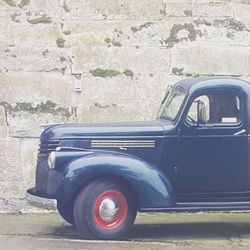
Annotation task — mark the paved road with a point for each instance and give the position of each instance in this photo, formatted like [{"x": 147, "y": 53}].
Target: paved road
[{"x": 151, "y": 231}]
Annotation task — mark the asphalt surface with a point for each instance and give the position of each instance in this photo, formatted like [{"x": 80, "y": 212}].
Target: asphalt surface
[{"x": 151, "y": 231}]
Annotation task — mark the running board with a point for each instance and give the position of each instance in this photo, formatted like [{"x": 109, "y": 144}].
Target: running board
[{"x": 203, "y": 207}]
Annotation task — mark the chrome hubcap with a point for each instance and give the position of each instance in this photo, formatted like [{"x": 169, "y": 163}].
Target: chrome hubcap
[{"x": 108, "y": 209}]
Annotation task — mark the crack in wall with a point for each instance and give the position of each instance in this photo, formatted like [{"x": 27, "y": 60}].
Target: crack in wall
[{"x": 5, "y": 116}]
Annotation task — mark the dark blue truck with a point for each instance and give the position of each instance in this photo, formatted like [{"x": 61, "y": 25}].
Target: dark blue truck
[{"x": 193, "y": 157}]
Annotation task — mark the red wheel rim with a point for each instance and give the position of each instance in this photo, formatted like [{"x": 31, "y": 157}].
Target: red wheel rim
[{"x": 121, "y": 206}]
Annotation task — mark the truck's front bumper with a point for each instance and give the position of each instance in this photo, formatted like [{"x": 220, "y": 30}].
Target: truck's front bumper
[{"x": 39, "y": 201}]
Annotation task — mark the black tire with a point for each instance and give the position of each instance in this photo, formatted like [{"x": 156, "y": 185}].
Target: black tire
[
  {"x": 66, "y": 213},
  {"x": 95, "y": 197}
]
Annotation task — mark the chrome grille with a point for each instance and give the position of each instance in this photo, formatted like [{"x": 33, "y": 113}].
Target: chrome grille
[
  {"x": 48, "y": 147},
  {"x": 42, "y": 168},
  {"x": 42, "y": 174}
]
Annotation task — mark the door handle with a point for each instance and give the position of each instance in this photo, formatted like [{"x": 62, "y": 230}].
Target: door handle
[{"x": 243, "y": 131}]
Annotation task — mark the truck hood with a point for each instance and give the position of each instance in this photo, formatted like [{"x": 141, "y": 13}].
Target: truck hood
[{"x": 83, "y": 130}]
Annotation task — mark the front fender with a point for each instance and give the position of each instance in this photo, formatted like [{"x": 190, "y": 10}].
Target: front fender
[{"x": 152, "y": 187}]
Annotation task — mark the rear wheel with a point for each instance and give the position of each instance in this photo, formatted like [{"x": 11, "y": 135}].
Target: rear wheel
[{"x": 104, "y": 210}]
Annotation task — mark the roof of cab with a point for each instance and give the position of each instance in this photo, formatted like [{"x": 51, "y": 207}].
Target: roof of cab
[{"x": 198, "y": 82}]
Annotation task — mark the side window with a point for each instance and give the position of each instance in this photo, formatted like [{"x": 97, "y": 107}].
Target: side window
[
  {"x": 192, "y": 113},
  {"x": 220, "y": 109}
]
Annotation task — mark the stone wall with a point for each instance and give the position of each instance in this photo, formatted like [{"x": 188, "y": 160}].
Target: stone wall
[{"x": 126, "y": 52}]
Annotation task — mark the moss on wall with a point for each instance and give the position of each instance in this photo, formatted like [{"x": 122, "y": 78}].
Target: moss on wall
[
  {"x": 67, "y": 32},
  {"x": 11, "y": 3},
  {"x": 66, "y": 7},
  {"x": 60, "y": 42},
  {"x": 44, "y": 20},
  {"x": 193, "y": 32},
  {"x": 188, "y": 12},
  {"x": 110, "y": 73},
  {"x": 113, "y": 42},
  {"x": 128, "y": 73},
  {"x": 23, "y": 3},
  {"x": 47, "y": 107},
  {"x": 143, "y": 26},
  {"x": 104, "y": 72}
]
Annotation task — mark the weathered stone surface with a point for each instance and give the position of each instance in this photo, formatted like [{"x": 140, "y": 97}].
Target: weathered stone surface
[
  {"x": 21, "y": 122},
  {"x": 3, "y": 131},
  {"x": 127, "y": 52},
  {"x": 46, "y": 60},
  {"x": 3, "y": 123},
  {"x": 101, "y": 102},
  {"x": 32, "y": 99},
  {"x": 12, "y": 189},
  {"x": 29, "y": 150},
  {"x": 211, "y": 60},
  {"x": 155, "y": 34},
  {"x": 126, "y": 9},
  {"x": 10, "y": 161},
  {"x": 23, "y": 34},
  {"x": 241, "y": 9},
  {"x": 18, "y": 205},
  {"x": 198, "y": 9},
  {"x": 36, "y": 87},
  {"x": 139, "y": 60},
  {"x": 36, "y": 8}
]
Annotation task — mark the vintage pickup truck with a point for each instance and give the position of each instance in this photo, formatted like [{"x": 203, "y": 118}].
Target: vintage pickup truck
[{"x": 194, "y": 157}]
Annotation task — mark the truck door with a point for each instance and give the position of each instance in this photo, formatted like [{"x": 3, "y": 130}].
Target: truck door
[{"x": 214, "y": 155}]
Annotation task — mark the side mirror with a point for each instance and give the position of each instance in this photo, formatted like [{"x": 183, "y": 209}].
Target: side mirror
[{"x": 201, "y": 113}]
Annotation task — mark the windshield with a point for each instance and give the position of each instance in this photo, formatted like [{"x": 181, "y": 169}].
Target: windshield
[{"x": 172, "y": 103}]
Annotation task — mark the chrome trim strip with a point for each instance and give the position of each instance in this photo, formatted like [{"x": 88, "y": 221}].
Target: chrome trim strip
[
  {"x": 122, "y": 144},
  {"x": 127, "y": 141},
  {"x": 37, "y": 201},
  {"x": 243, "y": 131}
]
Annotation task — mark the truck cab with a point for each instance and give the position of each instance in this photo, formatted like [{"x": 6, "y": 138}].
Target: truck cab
[{"x": 193, "y": 157}]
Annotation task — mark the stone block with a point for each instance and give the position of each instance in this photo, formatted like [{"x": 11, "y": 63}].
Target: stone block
[
  {"x": 38, "y": 86},
  {"x": 138, "y": 60},
  {"x": 18, "y": 205},
  {"x": 23, "y": 34},
  {"x": 109, "y": 9},
  {"x": 2, "y": 117},
  {"x": 12, "y": 190},
  {"x": 154, "y": 34},
  {"x": 38, "y": 7},
  {"x": 29, "y": 150},
  {"x": 198, "y": 9},
  {"x": 241, "y": 9},
  {"x": 3, "y": 123},
  {"x": 204, "y": 59},
  {"x": 140, "y": 98},
  {"x": 38, "y": 98},
  {"x": 11, "y": 165},
  {"x": 22, "y": 59}
]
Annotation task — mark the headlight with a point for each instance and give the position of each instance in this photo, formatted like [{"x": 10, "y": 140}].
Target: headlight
[{"x": 52, "y": 160}]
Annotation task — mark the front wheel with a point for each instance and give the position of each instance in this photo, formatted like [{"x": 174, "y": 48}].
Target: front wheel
[{"x": 104, "y": 210}]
